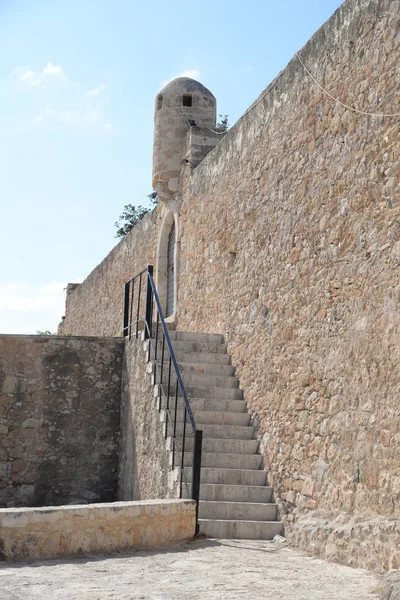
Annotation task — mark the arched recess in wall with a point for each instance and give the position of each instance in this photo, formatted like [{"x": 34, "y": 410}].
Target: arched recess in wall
[{"x": 167, "y": 261}]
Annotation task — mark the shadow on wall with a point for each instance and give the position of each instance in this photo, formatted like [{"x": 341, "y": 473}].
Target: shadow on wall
[{"x": 61, "y": 405}]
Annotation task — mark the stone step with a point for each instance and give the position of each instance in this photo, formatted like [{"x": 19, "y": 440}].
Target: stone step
[
  {"x": 202, "y": 417},
  {"x": 203, "y": 405},
  {"x": 234, "y": 500},
  {"x": 191, "y": 336},
  {"x": 224, "y": 446},
  {"x": 189, "y": 347},
  {"x": 234, "y": 493},
  {"x": 207, "y": 404},
  {"x": 193, "y": 368},
  {"x": 205, "y": 381},
  {"x": 241, "y": 511},
  {"x": 224, "y": 461},
  {"x": 191, "y": 380},
  {"x": 230, "y": 476},
  {"x": 204, "y": 392},
  {"x": 202, "y": 357},
  {"x": 197, "y": 384},
  {"x": 237, "y": 432},
  {"x": 245, "y": 530}
]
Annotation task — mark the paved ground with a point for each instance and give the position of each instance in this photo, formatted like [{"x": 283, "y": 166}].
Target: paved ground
[{"x": 205, "y": 569}]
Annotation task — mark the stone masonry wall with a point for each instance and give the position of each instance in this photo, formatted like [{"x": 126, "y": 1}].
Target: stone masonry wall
[
  {"x": 144, "y": 471},
  {"x": 59, "y": 419},
  {"x": 290, "y": 246},
  {"x": 96, "y": 306}
]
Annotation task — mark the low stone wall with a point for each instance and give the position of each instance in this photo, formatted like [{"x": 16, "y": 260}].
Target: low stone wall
[
  {"x": 59, "y": 419},
  {"x": 36, "y": 533}
]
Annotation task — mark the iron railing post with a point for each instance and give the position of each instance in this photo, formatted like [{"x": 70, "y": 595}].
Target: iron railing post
[
  {"x": 152, "y": 299},
  {"x": 138, "y": 305},
  {"x": 126, "y": 309},
  {"x": 149, "y": 304},
  {"x": 198, "y": 443},
  {"x": 174, "y": 424}
]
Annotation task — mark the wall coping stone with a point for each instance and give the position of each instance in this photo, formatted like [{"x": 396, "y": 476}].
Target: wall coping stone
[{"x": 62, "y": 337}]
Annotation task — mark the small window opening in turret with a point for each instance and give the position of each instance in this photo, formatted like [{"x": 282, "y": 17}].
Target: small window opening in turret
[
  {"x": 159, "y": 102},
  {"x": 187, "y": 100}
]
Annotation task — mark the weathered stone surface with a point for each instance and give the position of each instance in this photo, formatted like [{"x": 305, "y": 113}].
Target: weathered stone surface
[
  {"x": 33, "y": 533},
  {"x": 144, "y": 470},
  {"x": 309, "y": 303},
  {"x": 391, "y": 586},
  {"x": 361, "y": 538},
  {"x": 59, "y": 436},
  {"x": 289, "y": 245},
  {"x": 237, "y": 570},
  {"x": 171, "y": 116}
]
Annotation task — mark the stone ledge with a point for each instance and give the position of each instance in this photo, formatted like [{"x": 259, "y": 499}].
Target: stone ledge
[{"x": 49, "y": 532}]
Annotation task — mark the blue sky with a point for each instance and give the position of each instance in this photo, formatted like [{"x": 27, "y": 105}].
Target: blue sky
[{"x": 78, "y": 80}]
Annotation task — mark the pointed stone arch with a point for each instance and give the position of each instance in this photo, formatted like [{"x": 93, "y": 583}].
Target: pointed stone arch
[{"x": 169, "y": 220}]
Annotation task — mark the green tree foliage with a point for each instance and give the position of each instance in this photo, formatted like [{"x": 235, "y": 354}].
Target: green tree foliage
[
  {"x": 153, "y": 198},
  {"x": 131, "y": 215},
  {"x": 223, "y": 124},
  {"x": 47, "y": 332}
]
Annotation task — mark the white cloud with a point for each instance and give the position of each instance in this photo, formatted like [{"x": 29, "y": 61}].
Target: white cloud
[
  {"x": 51, "y": 70},
  {"x": 97, "y": 91},
  {"x": 72, "y": 118},
  {"x": 26, "y": 308},
  {"x": 32, "y": 78},
  {"x": 82, "y": 104},
  {"x": 27, "y": 76},
  {"x": 193, "y": 74}
]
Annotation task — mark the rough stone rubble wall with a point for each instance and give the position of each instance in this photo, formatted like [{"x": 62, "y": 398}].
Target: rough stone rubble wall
[
  {"x": 96, "y": 306},
  {"x": 290, "y": 246},
  {"x": 59, "y": 419},
  {"x": 144, "y": 471}
]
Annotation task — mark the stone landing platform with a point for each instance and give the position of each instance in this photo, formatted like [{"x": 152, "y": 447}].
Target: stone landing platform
[{"x": 211, "y": 569}]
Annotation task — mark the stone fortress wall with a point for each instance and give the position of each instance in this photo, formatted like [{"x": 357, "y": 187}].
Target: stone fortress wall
[
  {"x": 289, "y": 244},
  {"x": 95, "y": 307},
  {"x": 59, "y": 419}
]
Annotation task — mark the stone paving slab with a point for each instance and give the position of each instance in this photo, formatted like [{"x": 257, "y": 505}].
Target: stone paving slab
[{"x": 211, "y": 569}]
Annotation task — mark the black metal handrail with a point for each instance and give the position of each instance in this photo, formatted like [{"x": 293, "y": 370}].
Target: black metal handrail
[
  {"x": 146, "y": 305},
  {"x": 134, "y": 284}
]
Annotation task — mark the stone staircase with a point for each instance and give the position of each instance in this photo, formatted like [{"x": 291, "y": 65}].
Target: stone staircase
[{"x": 235, "y": 501}]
